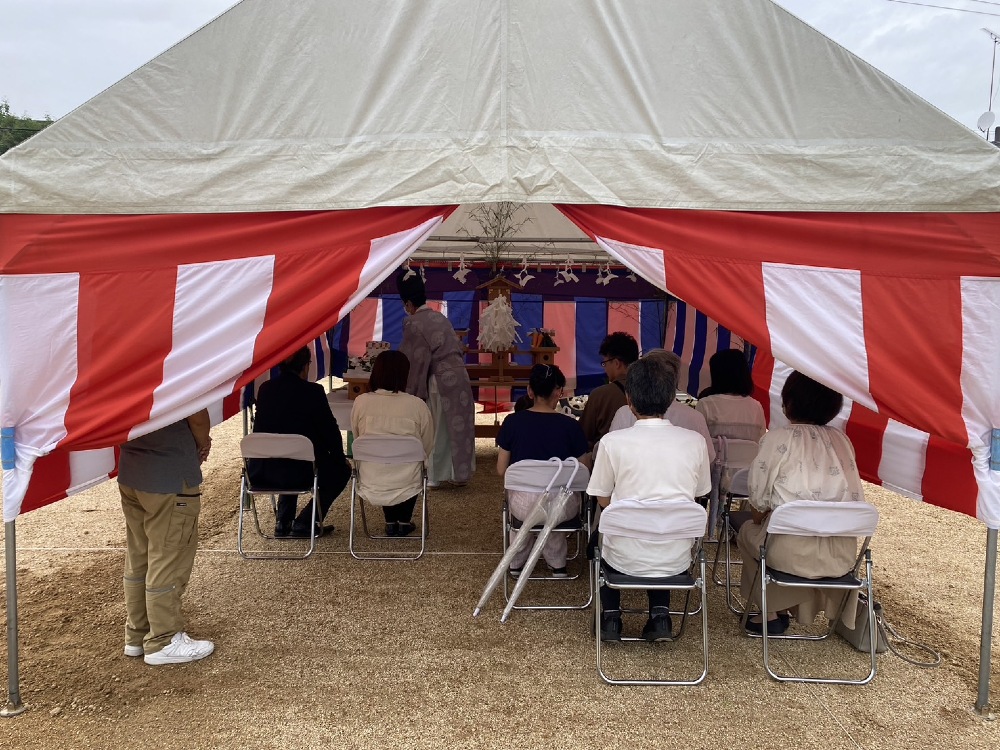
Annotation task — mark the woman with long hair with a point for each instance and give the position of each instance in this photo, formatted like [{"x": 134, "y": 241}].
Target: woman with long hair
[{"x": 727, "y": 404}]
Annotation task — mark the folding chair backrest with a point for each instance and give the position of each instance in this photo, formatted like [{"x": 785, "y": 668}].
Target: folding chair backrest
[
  {"x": 275, "y": 445},
  {"x": 388, "y": 449},
  {"x": 824, "y": 518},
  {"x": 739, "y": 484},
  {"x": 654, "y": 520},
  {"x": 532, "y": 475},
  {"x": 735, "y": 453}
]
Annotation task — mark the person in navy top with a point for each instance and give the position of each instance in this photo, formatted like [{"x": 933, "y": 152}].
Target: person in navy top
[{"x": 540, "y": 432}]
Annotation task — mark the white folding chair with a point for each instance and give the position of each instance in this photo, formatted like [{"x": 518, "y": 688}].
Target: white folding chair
[
  {"x": 532, "y": 475},
  {"x": 824, "y": 519},
  {"x": 733, "y": 458},
  {"x": 370, "y": 452},
  {"x": 678, "y": 520},
  {"x": 269, "y": 445}
]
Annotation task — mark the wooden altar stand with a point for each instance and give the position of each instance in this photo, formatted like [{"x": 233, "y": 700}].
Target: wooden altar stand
[{"x": 502, "y": 373}]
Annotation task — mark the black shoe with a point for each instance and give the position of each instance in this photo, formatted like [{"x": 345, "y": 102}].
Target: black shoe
[
  {"x": 786, "y": 619},
  {"x": 405, "y": 528},
  {"x": 658, "y": 628},
  {"x": 611, "y": 627},
  {"x": 392, "y": 529},
  {"x": 559, "y": 572},
  {"x": 515, "y": 572},
  {"x": 302, "y": 531},
  {"x": 282, "y": 529},
  {"x": 774, "y": 627}
]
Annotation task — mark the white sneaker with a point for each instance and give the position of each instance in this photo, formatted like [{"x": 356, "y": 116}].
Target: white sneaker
[
  {"x": 133, "y": 650},
  {"x": 181, "y": 649}
]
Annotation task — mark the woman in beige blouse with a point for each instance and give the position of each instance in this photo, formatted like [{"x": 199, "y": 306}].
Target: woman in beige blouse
[
  {"x": 807, "y": 460},
  {"x": 389, "y": 410}
]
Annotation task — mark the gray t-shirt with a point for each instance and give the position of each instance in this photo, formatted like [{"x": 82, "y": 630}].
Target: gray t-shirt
[{"x": 161, "y": 462}]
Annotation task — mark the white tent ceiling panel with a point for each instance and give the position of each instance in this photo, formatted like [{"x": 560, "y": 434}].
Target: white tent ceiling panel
[{"x": 658, "y": 103}]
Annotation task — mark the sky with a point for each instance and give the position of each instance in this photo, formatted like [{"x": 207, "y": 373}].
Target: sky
[{"x": 57, "y": 54}]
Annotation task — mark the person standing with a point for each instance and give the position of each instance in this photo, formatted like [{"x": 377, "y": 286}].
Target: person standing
[
  {"x": 438, "y": 376},
  {"x": 291, "y": 405},
  {"x": 159, "y": 479}
]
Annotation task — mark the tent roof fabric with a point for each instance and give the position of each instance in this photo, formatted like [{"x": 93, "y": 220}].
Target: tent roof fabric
[{"x": 645, "y": 103}]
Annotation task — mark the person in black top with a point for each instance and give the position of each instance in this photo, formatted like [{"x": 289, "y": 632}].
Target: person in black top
[
  {"x": 541, "y": 432},
  {"x": 290, "y": 404}
]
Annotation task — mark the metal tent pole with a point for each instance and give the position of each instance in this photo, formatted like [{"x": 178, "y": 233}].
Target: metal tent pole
[
  {"x": 14, "y": 705},
  {"x": 986, "y": 639}
]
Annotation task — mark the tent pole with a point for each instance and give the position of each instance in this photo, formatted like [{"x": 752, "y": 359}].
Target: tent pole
[
  {"x": 986, "y": 639},
  {"x": 14, "y": 705}
]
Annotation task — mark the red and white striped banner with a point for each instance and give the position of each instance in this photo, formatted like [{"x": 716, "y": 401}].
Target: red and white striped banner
[
  {"x": 899, "y": 312},
  {"x": 119, "y": 325}
]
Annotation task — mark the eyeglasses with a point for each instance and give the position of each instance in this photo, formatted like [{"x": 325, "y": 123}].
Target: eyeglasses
[{"x": 604, "y": 362}]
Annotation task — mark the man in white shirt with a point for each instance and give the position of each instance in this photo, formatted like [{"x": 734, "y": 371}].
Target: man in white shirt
[
  {"x": 677, "y": 414},
  {"x": 652, "y": 460}
]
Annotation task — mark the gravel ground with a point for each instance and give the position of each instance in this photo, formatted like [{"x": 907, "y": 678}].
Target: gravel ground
[{"x": 331, "y": 651}]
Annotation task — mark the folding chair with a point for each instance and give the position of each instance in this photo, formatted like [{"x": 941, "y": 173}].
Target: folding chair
[
  {"x": 738, "y": 487},
  {"x": 269, "y": 445},
  {"x": 371, "y": 451},
  {"x": 733, "y": 459},
  {"x": 532, "y": 475},
  {"x": 825, "y": 519},
  {"x": 680, "y": 520}
]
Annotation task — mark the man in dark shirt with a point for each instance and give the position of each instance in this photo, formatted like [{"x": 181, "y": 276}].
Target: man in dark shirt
[
  {"x": 618, "y": 351},
  {"x": 291, "y": 405}
]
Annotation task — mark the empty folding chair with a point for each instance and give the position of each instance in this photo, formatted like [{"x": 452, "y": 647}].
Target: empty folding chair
[
  {"x": 273, "y": 446},
  {"x": 816, "y": 518},
  {"x": 676, "y": 520},
  {"x": 375, "y": 452},
  {"x": 536, "y": 476}
]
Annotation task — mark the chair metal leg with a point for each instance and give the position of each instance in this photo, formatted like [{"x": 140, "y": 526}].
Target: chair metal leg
[
  {"x": 582, "y": 535},
  {"x": 248, "y": 505},
  {"x": 700, "y": 583},
  {"x": 872, "y": 629},
  {"x": 408, "y": 556}
]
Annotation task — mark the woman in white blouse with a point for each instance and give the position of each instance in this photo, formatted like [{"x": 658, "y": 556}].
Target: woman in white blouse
[
  {"x": 807, "y": 460},
  {"x": 727, "y": 405},
  {"x": 389, "y": 410}
]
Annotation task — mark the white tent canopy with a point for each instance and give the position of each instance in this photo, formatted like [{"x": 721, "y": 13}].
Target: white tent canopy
[
  {"x": 239, "y": 194},
  {"x": 334, "y": 104}
]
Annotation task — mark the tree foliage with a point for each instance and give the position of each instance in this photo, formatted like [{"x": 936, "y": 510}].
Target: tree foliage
[{"x": 14, "y": 129}]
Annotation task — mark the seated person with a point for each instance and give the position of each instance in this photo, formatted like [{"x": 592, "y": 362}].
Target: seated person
[
  {"x": 727, "y": 405},
  {"x": 618, "y": 351},
  {"x": 540, "y": 432},
  {"x": 290, "y": 404},
  {"x": 808, "y": 460},
  {"x": 653, "y": 459},
  {"x": 677, "y": 414},
  {"x": 389, "y": 410}
]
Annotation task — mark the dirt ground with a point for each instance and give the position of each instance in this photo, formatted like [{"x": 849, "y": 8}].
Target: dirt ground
[{"x": 333, "y": 652}]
